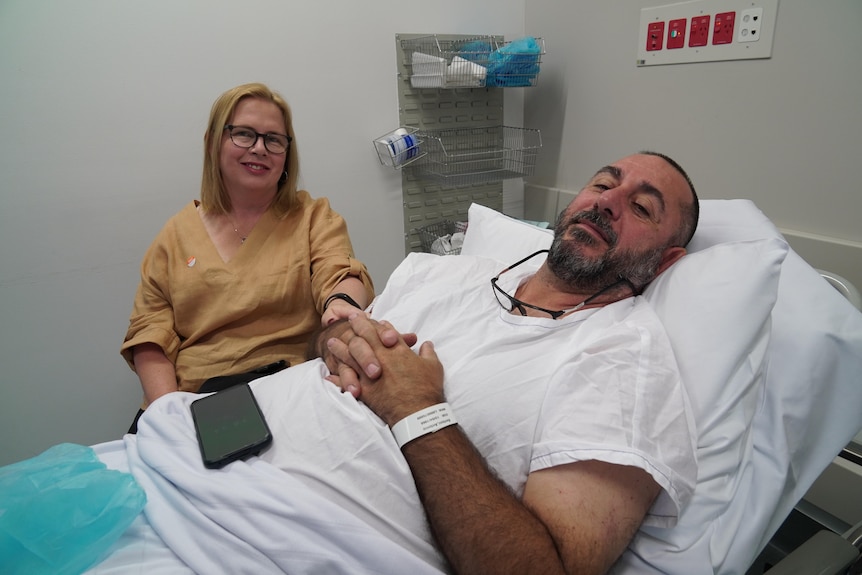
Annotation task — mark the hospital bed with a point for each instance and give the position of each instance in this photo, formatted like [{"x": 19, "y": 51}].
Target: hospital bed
[{"x": 771, "y": 355}]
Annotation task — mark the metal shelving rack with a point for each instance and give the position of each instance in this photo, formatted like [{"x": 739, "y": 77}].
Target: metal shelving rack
[{"x": 459, "y": 151}]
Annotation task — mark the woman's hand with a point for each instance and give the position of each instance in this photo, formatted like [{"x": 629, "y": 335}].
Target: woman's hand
[
  {"x": 336, "y": 310},
  {"x": 348, "y": 296}
]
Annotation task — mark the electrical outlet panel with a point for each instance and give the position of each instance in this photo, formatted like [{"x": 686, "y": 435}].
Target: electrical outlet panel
[
  {"x": 706, "y": 31},
  {"x": 655, "y": 36},
  {"x": 676, "y": 34},
  {"x": 751, "y": 21},
  {"x": 699, "y": 31},
  {"x": 722, "y": 32}
]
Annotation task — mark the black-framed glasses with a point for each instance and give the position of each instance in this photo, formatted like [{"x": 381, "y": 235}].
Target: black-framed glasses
[
  {"x": 244, "y": 137},
  {"x": 510, "y": 303}
]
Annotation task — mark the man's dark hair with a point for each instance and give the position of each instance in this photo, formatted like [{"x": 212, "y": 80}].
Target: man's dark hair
[{"x": 690, "y": 214}]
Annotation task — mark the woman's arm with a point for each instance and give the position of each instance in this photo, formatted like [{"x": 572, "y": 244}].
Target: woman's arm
[
  {"x": 157, "y": 374},
  {"x": 340, "y": 308},
  {"x": 334, "y": 267}
]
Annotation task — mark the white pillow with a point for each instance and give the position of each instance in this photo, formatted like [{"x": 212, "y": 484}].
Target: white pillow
[
  {"x": 813, "y": 403},
  {"x": 716, "y": 305},
  {"x": 495, "y": 235},
  {"x": 498, "y": 236}
]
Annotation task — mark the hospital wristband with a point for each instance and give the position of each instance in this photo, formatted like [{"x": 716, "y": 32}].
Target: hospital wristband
[{"x": 423, "y": 422}]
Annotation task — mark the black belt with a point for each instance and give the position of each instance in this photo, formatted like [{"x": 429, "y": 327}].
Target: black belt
[{"x": 221, "y": 382}]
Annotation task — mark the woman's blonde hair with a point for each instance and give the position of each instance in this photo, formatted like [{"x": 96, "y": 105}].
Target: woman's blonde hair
[{"x": 214, "y": 196}]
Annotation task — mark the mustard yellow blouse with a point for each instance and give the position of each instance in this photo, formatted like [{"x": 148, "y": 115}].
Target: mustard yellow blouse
[{"x": 214, "y": 318}]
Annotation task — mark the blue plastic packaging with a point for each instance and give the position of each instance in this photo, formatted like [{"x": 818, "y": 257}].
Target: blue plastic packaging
[
  {"x": 61, "y": 510},
  {"x": 512, "y": 65},
  {"x": 515, "y": 64}
]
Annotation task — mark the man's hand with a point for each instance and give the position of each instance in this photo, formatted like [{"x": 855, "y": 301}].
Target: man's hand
[
  {"x": 401, "y": 382},
  {"x": 332, "y": 345}
]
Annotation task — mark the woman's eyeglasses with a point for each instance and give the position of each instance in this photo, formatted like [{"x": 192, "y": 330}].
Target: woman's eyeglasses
[{"x": 243, "y": 137}]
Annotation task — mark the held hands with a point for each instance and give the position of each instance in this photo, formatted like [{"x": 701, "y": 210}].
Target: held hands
[
  {"x": 344, "y": 367},
  {"x": 336, "y": 310},
  {"x": 373, "y": 360}
]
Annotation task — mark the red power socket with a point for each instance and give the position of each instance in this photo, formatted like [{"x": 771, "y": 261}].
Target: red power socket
[
  {"x": 676, "y": 33},
  {"x": 699, "y": 35},
  {"x": 655, "y": 36},
  {"x": 722, "y": 32}
]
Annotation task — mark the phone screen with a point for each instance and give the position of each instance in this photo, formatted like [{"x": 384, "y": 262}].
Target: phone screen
[{"x": 229, "y": 425}]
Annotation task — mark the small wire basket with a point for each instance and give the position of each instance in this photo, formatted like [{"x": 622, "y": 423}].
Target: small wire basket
[
  {"x": 475, "y": 62},
  {"x": 399, "y": 148},
  {"x": 440, "y": 238},
  {"x": 468, "y": 156}
]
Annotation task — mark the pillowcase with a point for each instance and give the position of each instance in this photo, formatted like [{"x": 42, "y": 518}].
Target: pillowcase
[
  {"x": 813, "y": 394},
  {"x": 495, "y": 235},
  {"x": 716, "y": 307}
]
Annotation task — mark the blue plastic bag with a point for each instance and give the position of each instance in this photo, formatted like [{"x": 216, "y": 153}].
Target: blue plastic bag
[
  {"x": 515, "y": 64},
  {"x": 61, "y": 510},
  {"x": 476, "y": 51}
]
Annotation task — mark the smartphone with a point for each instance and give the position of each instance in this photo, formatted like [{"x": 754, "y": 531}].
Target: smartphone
[{"x": 229, "y": 426}]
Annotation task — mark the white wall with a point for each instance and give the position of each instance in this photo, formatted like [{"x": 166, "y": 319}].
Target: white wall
[
  {"x": 103, "y": 105},
  {"x": 784, "y": 132}
]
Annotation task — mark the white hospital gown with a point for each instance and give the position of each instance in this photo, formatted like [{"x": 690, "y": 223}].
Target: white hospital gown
[{"x": 531, "y": 393}]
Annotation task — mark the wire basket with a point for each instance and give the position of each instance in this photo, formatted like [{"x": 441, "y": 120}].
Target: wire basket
[
  {"x": 477, "y": 62},
  {"x": 437, "y": 238},
  {"x": 466, "y": 156},
  {"x": 399, "y": 148}
]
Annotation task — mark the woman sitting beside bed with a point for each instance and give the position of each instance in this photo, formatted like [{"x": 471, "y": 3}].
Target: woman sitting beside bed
[{"x": 236, "y": 283}]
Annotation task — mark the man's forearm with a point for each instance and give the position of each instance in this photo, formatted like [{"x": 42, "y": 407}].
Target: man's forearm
[
  {"x": 479, "y": 524},
  {"x": 575, "y": 517}
]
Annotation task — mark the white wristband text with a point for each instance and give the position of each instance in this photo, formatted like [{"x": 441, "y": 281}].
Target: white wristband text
[{"x": 423, "y": 422}]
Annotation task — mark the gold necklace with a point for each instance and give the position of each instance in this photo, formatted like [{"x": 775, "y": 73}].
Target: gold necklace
[{"x": 241, "y": 237}]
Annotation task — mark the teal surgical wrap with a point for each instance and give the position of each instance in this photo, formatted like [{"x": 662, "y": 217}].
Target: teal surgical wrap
[
  {"x": 515, "y": 64},
  {"x": 61, "y": 510}
]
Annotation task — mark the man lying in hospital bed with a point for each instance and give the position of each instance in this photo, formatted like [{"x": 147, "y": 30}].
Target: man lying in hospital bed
[
  {"x": 565, "y": 383},
  {"x": 335, "y": 494}
]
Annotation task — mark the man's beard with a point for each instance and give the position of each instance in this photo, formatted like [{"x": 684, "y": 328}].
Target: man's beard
[{"x": 568, "y": 262}]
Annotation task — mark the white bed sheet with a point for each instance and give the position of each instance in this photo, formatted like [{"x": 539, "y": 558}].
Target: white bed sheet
[
  {"x": 793, "y": 422},
  {"x": 139, "y": 550},
  {"x": 249, "y": 517}
]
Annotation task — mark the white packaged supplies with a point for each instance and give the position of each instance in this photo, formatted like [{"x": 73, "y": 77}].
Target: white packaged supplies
[
  {"x": 426, "y": 64},
  {"x": 462, "y": 72}
]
